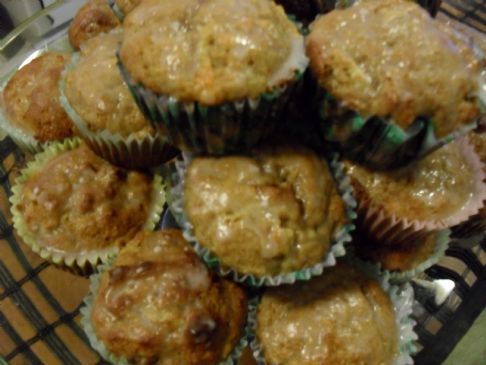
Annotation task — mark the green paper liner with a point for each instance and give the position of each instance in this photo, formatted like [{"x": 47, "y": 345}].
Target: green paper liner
[
  {"x": 25, "y": 141},
  {"x": 116, "y": 9},
  {"x": 389, "y": 228},
  {"x": 76, "y": 262},
  {"x": 402, "y": 297},
  {"x": 131, "y": 152},
  {"x": 95, "y": 343},
  {"x": 175, "y": 181},
  {"x": 442, "y": 241},
  {"x": 225, "y": 128}
]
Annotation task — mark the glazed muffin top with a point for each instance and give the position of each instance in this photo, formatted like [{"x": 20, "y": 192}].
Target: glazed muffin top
[
  {"x": 78, "y": 203},
  {"x": 93, "y": 18},
  {"x": 430, "y": 189},
  {"x": 159, "y": 304},
  {"x": 389, "y": 58},
  {"x": 274, "y": 212},
  {"x": 31, "y": 99},
  {"x": 401, "y": 257},
  {"x": 340, "y": 318},
  {"x": 211, "y": 51},
  {"x": 96, "y": 91},
  {"x": 127, "y": 5}
]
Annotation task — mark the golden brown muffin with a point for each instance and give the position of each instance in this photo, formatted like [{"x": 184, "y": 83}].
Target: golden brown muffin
[
  {"x": 402, "y": 257},
  {"x": 389, "y": 58},
  {"x": 430, "y": 189},
  {"x": 340, "y": 318},
  {"x": 31, "y": 99},
  {"x": 272, "y": 213},
  {"x": 96, "y": 91},
  {"x": 78, "y": 203},
  {"x": 127, "y": 5},
  {"x": 159, "y": 304},
  {"x": 211, "y": 51},
  {"x": 247, "y": 357},
  {"x": 93, "y": 18},
  {"x": 478, "y": 140}
]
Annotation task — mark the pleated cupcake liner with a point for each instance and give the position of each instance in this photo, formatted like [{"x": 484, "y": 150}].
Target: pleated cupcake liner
[
  {"x": 402, "y": 297},
  {"x": 135, "y": 151},
  {"x": 100, "y": 347},
  {"x": 175, "y": 178},
  {"x": 80, "y": 263},
  {"x": 225, "y": 128},
  {"x": 442, "y": 241},
  {"x": 384, "y": 226},
  {"x": 474, "y": 226}
]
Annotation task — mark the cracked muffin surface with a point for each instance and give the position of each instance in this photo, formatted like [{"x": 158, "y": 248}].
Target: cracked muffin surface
[
  {"x": 273, "y": 212},
  {"x": 158, "y": 304}
]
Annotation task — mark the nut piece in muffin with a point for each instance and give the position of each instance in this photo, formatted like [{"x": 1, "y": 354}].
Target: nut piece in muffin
[
  {"x": 159, "y": 304},
  {"x": 432, "y": 189},
  {"x": 93, "y": 18},
  {"x": 340, "y": 318},
  {"x": 270, "y": 213},
  {"x": 31, "y": 99},
  {"x": 390, "y": 59},
  {"x": 211, "y": 52},
  {"x": 95, "y": 89},
  {"x": 77, "y": 205}
]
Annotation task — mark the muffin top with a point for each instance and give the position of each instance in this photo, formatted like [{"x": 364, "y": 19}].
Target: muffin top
[
  {"x": 93, "y": 18},
  {"x": 127, "y": 5},
  {"x": 389, "y": 58},
  {"x": 211, "y": 51},
  {"x": 77, "y": 203},
  {"x": 31, "y": 99},
  {"x": 401, "y": 257},
  {"x": 432, "y": 188},
  {"x": 272, "y": 213},
  {"x": 158, "y": 304},
  {"x": 478, "y": 140},
  {"x": 97, "y": 92},
  {"x": 340, "y": 318}
]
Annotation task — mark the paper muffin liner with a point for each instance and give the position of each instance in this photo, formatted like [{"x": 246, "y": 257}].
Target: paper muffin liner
[
  {"x": 134, "y": 151},
  {"x": 442, "y": 241},
  {"x": 175, "y": 178},
  {"x": 76, "y": 262},
  {"x": 402, "y": 298},
  {"x": 220, "y": 129},
  {"x": 99, "y": 346},
  {"x": 390, "y": 228}
]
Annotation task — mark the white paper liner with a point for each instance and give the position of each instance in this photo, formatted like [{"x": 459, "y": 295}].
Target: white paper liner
[
  {"x": 99, "y": 346},
  {"x": 402, "y": 298},
  {"x": 383, "y": 226},
  {"x": 133, "y": 151},
  {"x": 88, "y": 261},
  {"x": 337, "y": 249}
]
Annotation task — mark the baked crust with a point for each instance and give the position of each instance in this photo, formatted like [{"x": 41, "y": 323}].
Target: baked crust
[
  {"x": 78, "y": 203},
  {"x": 209, "y": 51},
  {"x": 31, "y": 99},
  {"x": 272, "y": 213},
  {"x": 389, "y": 58},
  {"x": 93, "y": 18},
  {"x": 340, "y": 318},
  {"x": 159, "y": 304}
]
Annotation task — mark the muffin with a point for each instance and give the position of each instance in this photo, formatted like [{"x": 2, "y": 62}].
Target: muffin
[
  {"x": 158, "y": 304},
  {"x": 395, "y": 84},
  {"x": 93, "y": 18},
  {"x": 405, "y": 261},
  {"x": 341, "y": 317},
  {"x": 99, "y": 102},
  {"x": 126, "y": 6},
  {"x": 437, "y": 192},
  {"x": 209, "y": 73},
  {"x": 76, "y": 210},
  {"x": 274, "y": 216},
  {"x": 30, "y": 100}
]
